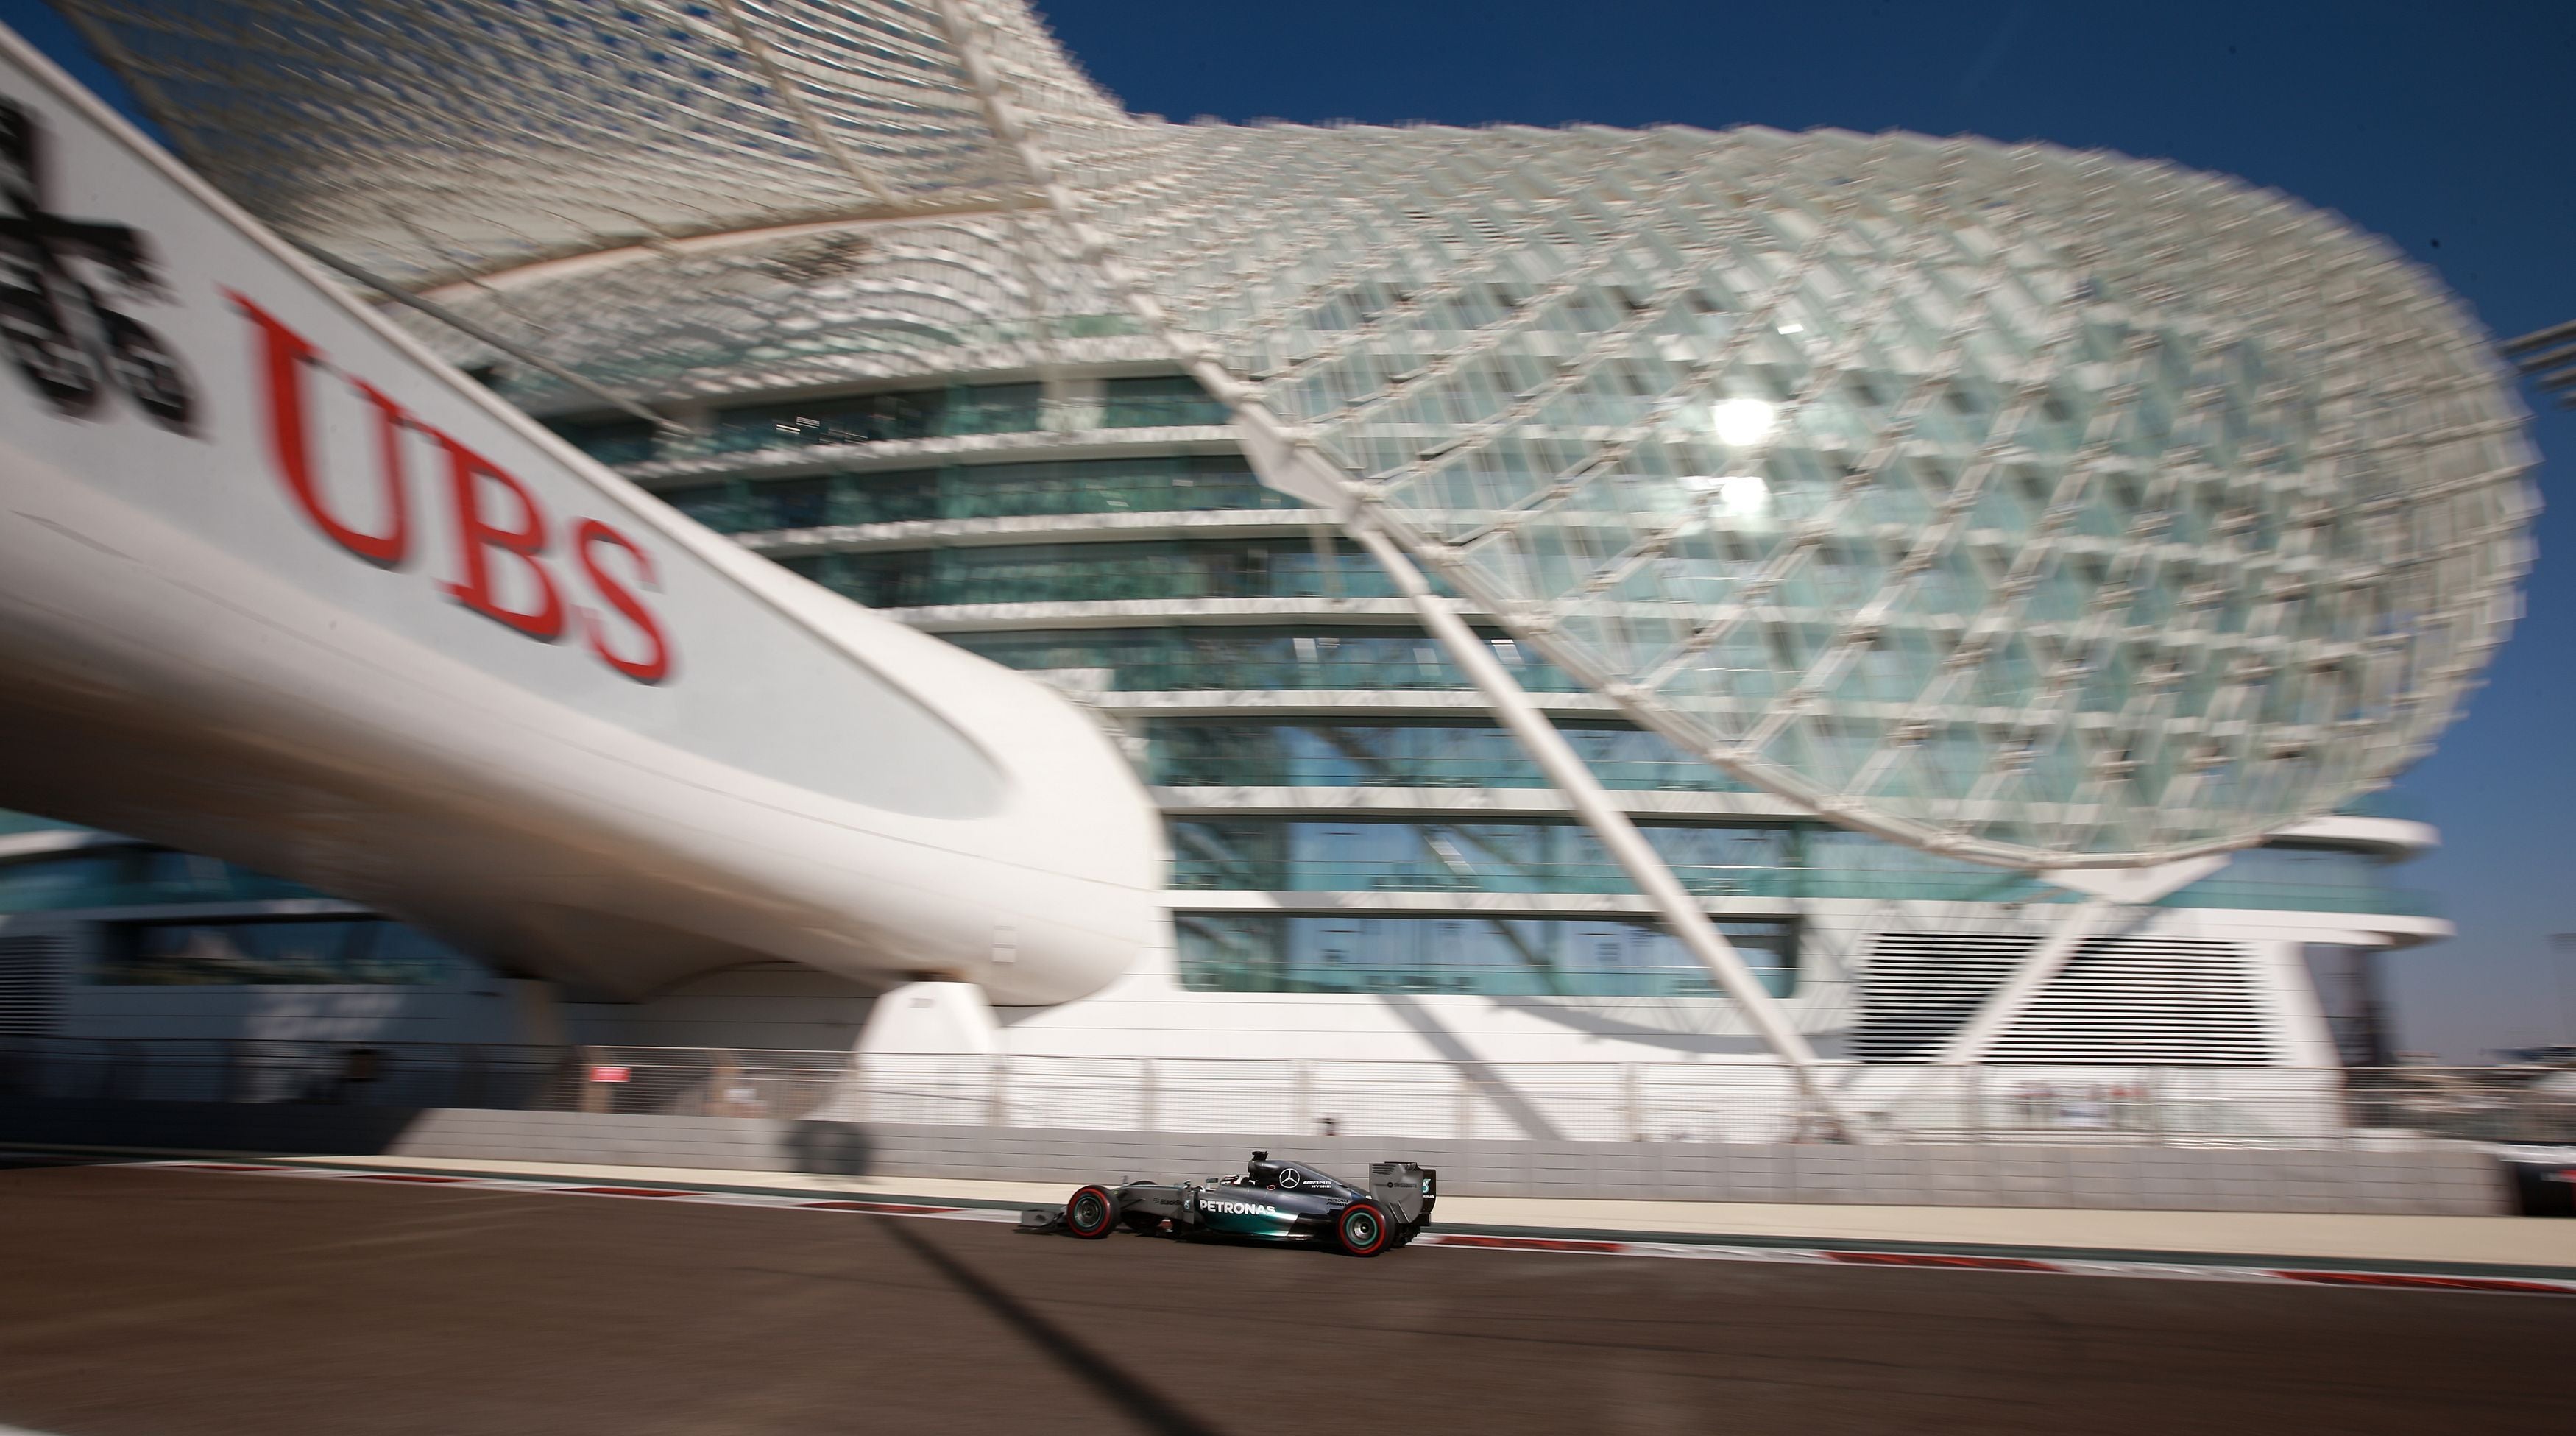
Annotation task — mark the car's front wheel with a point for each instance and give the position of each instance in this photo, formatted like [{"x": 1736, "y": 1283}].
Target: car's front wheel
[
  {"x": 1091, "y": 1212},
  {"x": 1361, "y": 1229}
]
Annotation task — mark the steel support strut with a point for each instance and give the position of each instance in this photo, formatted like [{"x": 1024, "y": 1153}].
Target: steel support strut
[{"x": 1682, "y": 914}]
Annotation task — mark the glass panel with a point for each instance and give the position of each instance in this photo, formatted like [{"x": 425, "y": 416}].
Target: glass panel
[
  {"x": 2303, "y": 880},
  {"x": 1144, "y": 484},
  {"x": 271, "y": 951},
  {"x": 1275, "y": 855},
  {"x": 1193, "y": 753},
  {"x": 1176, "y": 483},
  {"x": 726, "y": 508},
  {"x": 1099, "y": 572},
  {"x": 792, "y": 503},
  {"x": 130, "y": 877},
  {"x": 886, "y": 498},
  {"x": 1157, "y": 402},
  {"x": 611, "y": 441},
  {"x": 72, "y": 880},
  {"x": 838, "y": 419},
  {"x": 992, "y": 409}
]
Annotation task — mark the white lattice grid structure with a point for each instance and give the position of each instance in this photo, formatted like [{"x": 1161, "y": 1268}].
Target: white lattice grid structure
[
  {"x": 435, "y": 139},
  {"x": 2045, "y": 508},
  {"x": 812, "y": 307}
]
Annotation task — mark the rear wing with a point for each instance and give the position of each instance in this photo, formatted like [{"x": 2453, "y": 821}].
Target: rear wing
[{"x": 1403, "y": 1190}]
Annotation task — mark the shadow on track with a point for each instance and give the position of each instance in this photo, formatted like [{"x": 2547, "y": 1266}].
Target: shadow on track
[{"x": 1149, "y": 1407}]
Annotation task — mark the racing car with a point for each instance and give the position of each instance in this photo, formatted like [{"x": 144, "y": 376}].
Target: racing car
[{"x": 1269, "y": 1201}]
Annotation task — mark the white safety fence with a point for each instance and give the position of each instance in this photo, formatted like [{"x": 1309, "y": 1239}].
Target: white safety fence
[
  {"x": 1727, "y": 1101},
  {"x": 1593, "y": 1101}
]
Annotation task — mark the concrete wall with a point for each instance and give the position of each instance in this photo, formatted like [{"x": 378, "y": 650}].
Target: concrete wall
[{"x": 2432, "y": 1179}]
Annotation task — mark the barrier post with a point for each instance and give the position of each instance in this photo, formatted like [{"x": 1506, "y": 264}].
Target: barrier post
[{"x": 594, "y": 1093}]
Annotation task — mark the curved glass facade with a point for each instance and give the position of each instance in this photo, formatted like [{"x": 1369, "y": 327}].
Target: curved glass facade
[
  {"x": 2048, "y": 507},
  {"x": 1124, "y": 539}
]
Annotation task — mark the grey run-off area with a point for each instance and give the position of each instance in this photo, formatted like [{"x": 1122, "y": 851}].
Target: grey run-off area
[{"x": 284, "y": 1308}]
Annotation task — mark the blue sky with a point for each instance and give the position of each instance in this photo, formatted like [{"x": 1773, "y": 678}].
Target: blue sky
[{"x": 2451, "y": 129}]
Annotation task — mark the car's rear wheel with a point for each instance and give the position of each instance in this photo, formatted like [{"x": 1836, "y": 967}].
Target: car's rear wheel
[
  {"x": 1361, "y": 1229},
  {"x": 1091, "y": 1212}
]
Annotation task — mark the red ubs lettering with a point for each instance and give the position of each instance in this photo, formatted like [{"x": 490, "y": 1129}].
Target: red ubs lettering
[{"x": 500, "y": 527}]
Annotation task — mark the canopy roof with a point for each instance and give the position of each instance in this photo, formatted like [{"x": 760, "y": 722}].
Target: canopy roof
[
  {"x": 437, "y": 139},
  {"x": 2047, "y": 508}
]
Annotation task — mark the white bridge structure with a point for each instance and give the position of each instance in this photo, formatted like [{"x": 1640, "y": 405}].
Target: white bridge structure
[
  {"x": 2080, "y": 516},
  {"x": 335, "y": 612}
]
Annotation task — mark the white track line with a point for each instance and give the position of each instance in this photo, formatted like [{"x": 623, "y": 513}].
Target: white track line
[{"x": 1569, "y": 1246}]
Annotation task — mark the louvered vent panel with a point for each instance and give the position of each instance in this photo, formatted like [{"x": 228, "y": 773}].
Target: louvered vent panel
[
  {"x": 2145, "y": 1000},
  {"x": 31, "y": 988},
  {"x": 1920, "y": 986}
]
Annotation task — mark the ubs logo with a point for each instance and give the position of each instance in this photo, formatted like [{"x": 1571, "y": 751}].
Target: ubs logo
[
  {"x": 508, "y": 553},
  {"x": 70, "y": 344}
]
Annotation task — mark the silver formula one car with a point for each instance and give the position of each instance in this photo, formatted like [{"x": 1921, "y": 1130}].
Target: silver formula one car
[{"x": 1270, "y": 1201}]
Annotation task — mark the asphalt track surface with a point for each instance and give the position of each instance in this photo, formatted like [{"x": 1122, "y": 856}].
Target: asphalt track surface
[{"x": 143, "y": 1302}]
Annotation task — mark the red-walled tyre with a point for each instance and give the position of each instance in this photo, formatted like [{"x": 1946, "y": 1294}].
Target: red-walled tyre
[
  {"x": 1091, "y": 1213},
  {"x": 1361, "y": 1229}
]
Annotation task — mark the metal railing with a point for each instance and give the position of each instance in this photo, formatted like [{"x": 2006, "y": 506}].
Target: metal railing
[{"x": 1702, "y": 1101}]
